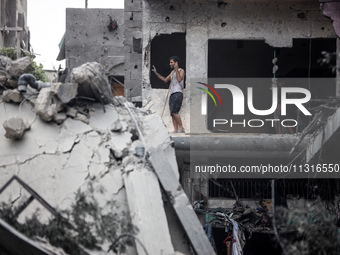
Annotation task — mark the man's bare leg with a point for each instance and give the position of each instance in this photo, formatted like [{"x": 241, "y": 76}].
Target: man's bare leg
[
  {"x": 178, "y": 121},
  {"x": 174, "y": 122}
]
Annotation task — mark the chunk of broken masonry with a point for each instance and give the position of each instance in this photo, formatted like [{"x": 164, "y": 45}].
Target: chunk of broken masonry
[
  {"x": 20, "y": 66},
  {"x": 11, "y": 70},
  {"x": 14, "y": 96},
  {"x": 65, "y": 91},
  {"x": 15, "y": 128},
  {"x": 59, "y": 118},
  {"x": 116, "y": 126},
  {"x": 93, "y": 82},
  {"x": 71, "y": 112},
  {"x": 53, "y": 99}
]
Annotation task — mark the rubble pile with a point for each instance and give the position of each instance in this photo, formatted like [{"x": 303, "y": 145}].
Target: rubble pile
[
  {"x": 76, "y": 133},
  {"x": 10, "y": 71}
]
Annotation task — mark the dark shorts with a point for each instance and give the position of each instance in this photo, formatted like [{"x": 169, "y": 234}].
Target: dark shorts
[{"x": 175, "y": 102}]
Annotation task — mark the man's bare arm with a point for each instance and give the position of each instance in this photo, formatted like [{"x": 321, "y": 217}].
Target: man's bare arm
[
  {"x": 165, "y": 80},
  {"x": 179, "y": 73}
]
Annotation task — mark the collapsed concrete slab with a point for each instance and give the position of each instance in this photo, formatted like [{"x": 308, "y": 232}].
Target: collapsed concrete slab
[
  {"x": 57, "y": 159},
  {"x": 145, "y": 196},
  {"x": 88, "y": 144}
]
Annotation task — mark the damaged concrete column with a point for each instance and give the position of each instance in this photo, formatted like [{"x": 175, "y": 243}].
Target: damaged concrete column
[
  {"x": 133, "y": 50},
  {"x": 146, "y": 209}
]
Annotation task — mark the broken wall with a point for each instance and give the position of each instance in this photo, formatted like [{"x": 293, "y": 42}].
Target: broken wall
[
  {"x": 92, "y": 144},
  {"x": 88, "y": 39},
  {"x": 275, "y": 22},
  {"x": 14, "y": 16},
  {"x": 133, "y": 15}
]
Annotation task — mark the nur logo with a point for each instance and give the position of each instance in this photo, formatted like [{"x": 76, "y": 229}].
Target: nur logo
[
  {"x": 239, "y": 99},
  {"x": 204, "y": 99}
]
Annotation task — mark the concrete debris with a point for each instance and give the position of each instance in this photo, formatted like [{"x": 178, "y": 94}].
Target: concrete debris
[
  {"x": 59, "y": 118},
  {"x": 44, "y": 105},
  {"x": 11, "y": 70},
  {"x": 180, "y": 202},
  {"x": 65, "y": 91},
  {"x": 71, "y": 112},
  {"x": 14, "y": 96},
  {"x": 116, "y": 126},
  {"x": 5, "y": 63},
  {"x": 81, "y": 117},
  {"x": 120, "y": 143},
  {"x": 93, "y": 82},
  {"x": 83, "y": 143},
  {"x": 15, "y": 128},
  {"x": 52, "y": 100},
  {"x": 20, "y": 66},
  {"x": 143, "y": 184}
]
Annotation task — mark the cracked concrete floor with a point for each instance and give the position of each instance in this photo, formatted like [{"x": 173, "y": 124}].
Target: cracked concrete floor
[{"x": 58, "y": 159}]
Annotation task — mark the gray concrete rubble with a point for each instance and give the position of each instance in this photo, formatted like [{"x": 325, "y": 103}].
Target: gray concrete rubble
[
  {"x": 20, "y": 66},
  {"x": 92, "y": 82},
  {"x": 12, "y": 69},
  {"x": 52, "y": 100},
  {"x": 15, "y": 128},
  {"x": 14, "y": 96},
  {"x": 83, "y": 142}
]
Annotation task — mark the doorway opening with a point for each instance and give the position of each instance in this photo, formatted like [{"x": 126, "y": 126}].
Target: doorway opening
[
  {"x": 163, "y": 47},
  {"x": 117, "y": 85}
]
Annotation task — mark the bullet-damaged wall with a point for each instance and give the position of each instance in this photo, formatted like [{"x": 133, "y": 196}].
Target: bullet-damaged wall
[
  {"x": 88, "y": 39},
  {"x": 275, "y": 22},
  {"x": 133, "y": 50}
]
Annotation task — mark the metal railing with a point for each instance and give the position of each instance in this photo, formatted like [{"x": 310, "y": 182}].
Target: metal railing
[{"x": 261, "y": 188}]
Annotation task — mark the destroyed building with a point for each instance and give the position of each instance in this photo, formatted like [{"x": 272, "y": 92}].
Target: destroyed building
[
  {"x": 214, "y": 39},
  {"x": 38, "y": 146},
  {"x": 57, "y": 143},
  {"x": 13, "y": 25},
  {"x": 219, "y": 39}
]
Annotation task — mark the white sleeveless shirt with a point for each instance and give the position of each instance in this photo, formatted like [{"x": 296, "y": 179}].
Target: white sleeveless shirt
[{"x": 175, "y": 85}]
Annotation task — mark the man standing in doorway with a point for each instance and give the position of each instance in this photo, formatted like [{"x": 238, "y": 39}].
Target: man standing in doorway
[{"x": 176, "y": 78}]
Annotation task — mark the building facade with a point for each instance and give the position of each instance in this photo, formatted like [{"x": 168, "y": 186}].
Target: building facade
[{"x": 13, "y": 24}]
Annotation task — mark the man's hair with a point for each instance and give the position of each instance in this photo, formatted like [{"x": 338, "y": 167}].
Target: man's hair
[{"x": 174, "y": 58}]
